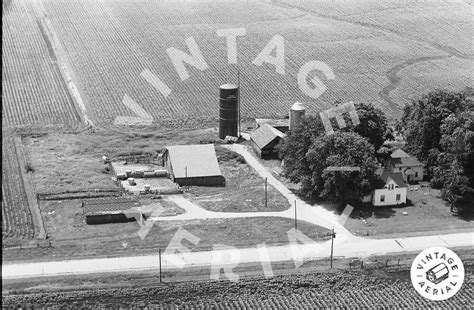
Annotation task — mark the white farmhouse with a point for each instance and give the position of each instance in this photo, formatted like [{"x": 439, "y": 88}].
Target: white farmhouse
[
  {"x": 411, "y": 168},
  {"x": 394, "y": 191}
]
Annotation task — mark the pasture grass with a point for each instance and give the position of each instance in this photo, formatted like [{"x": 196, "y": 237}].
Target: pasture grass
[{"x": 73, "y": 162}]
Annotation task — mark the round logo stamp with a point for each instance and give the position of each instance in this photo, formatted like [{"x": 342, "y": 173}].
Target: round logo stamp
[{"x": 437, "y": 273}]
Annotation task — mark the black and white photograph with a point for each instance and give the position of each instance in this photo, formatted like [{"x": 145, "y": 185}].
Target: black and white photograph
[{"x": 237, "y": 154}]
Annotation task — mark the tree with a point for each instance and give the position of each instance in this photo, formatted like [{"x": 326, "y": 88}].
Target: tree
[
  {"x": 455, "y": 171},
  {"x": 455, "y": 184},
  {"x": 389, "y": 135},
  {"x": 294, "y": 147},
  {"x": 341, "y": 149},
  {"x": 422, "y": 121},
  {"x": 457, "y": 140},
  {"x": 306, "y": 162},
  {"x": 373, "y": 124}
]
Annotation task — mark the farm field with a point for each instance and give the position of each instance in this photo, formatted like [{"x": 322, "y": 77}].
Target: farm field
[
  {"x": 342, "y": 290},
  {"x": 17, "y": 222},
  {"x": 111, "y": 43},
  {"x": 444, "y": 24},
  {"x": 374, "y": 49},
  {"x": 383, "y": 52},
  {"x": 33, "y": 93},
  {"x": 437, "y": 73}
]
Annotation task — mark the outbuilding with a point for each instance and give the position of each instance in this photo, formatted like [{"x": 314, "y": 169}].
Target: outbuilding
[
  {"x": 193, "y": 165},
  {"x": 282, "y": 125},
  {"x": 265, "y": 139},
  {"x": 110, "y": 210}
]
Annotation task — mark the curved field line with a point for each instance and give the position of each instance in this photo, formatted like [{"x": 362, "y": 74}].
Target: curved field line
[
  {"x": 392, "y": 74},
  {"x": 446, "y": 49},
  {"x": 394, "y": 79}
]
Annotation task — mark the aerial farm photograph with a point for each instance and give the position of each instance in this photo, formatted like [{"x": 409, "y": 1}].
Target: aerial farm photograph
[{"x": 237, "y": 154}]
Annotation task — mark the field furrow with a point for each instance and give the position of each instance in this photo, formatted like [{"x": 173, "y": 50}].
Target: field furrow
[
  {"x": 111, "y": 42},
  {"x": 33, "y": 93},
  {"x": 17, "y": 224}
]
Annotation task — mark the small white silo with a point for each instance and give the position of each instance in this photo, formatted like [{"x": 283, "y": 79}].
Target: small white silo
[{"x": 296, "y": 115}]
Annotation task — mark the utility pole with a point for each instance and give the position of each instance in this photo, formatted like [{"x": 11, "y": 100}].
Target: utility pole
[
  {"x": 296, "y": 221},
  {"x": 238, "y": 100},
  {"x": 159, "y": 255},
  {"x": 266, "y": 192},
  {"x": 186, "y": 176},
  {"x": 333, "y": 235}
]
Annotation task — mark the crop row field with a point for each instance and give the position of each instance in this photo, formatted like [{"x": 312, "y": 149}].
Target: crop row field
[
  {"x": 446, "y": 24},
  {"x": 17, "y": 223},
  {"x": 33, "y": 93},
  {"x": 337, "y": 290},
  {"x": 437, "y": 73},
  {"x": 111, "y": 43}
]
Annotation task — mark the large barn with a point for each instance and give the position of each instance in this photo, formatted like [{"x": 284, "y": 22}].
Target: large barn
[{"x": 193, "y": 165}]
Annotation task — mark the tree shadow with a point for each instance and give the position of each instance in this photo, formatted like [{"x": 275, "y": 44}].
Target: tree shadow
[
  {"x": 300, "y": 195},
  {"x": 366, "y": 210},
  {"x": 465, "y": 212}
]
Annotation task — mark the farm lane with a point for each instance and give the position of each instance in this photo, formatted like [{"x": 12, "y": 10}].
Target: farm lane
[
  {"x": 316, "y": 215},
  {"x": 313, "y": 214},
  {"x": 356, "y": 247},
  {"x": 195, "y": 212}
]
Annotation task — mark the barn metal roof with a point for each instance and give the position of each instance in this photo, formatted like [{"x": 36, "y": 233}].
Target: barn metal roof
[
  {"x": 285, "y": 122},
  {"x": 264, "y": 135},
  {"x": 112, "y": 205},
  {"x": 194, "y": 160}
]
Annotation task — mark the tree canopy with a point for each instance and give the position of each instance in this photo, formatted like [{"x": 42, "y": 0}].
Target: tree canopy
[
  {"x": 439, "y": 130},
  {"x": 296, "y": 145},
  {"x": 308, "y": 151},
  {"x": 422, "y": 121},
  {"x": 455, "y": 170},
  {"x": 373, "y": 124},
  {"x": 341, "y": 149}
]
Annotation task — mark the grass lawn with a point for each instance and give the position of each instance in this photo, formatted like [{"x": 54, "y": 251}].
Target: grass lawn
[
  {"x": 275, "y": 168},
  {"x": 244, "y": 190},
  {"x": 426, "y": 215},
  {"x": 73, "y": 239}
]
